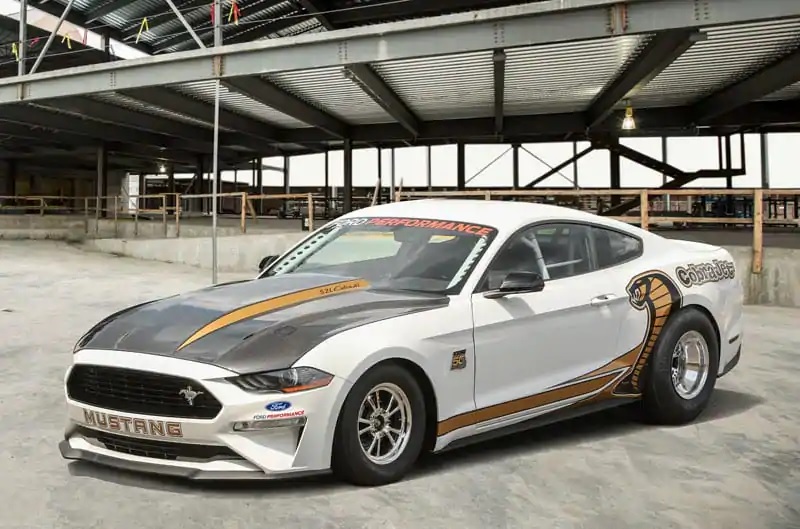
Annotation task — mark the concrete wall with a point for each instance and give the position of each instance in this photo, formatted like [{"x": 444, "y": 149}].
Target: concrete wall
[
  {"x": 777, "y": 285},
  {"x": 240, "y": 253},
  {"x": 73, "y": 228}
]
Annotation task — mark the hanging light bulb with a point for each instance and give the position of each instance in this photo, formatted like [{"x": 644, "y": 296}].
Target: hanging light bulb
[
  {"x": 162, "y": 168},
  {"x": 628, "y": 123}
]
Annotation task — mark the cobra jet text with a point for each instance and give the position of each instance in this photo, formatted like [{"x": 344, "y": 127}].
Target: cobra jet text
[{"x": 132, "y": 425}]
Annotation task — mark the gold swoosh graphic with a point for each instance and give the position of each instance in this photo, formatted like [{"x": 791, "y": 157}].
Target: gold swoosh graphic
[{"x": 262, "y": 307}]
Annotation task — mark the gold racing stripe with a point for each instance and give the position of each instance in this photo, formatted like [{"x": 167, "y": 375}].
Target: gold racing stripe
[
  {"x": 262, "y": 307},
  {"x": 577, "y": 389}
]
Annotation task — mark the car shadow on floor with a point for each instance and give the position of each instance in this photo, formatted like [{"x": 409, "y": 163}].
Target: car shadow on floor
[{"x": 616, "y": 422}]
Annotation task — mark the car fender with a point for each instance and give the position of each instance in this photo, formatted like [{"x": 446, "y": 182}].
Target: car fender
[{"x": 430, "y": 340}]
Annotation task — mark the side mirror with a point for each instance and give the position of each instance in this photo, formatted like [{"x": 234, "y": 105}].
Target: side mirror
[
  {"x": 266, "y": 261},
  {"x": 517, "y": 283}
]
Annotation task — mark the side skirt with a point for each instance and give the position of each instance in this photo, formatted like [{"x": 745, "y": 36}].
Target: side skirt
[{"x": 536, "y": 422}]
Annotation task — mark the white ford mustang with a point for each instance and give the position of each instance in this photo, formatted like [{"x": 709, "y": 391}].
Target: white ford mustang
[{"x": 408, "y": 327}]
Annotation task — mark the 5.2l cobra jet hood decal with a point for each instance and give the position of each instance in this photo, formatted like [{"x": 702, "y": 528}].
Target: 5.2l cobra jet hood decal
[{"x": 255, "y": 325}]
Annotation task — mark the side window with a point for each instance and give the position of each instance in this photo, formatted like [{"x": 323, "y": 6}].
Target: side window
[
  {"x": 613, "y": 247},
  {"x": 565, "y": 249},
  {"x": 521, "y": 254},
  {"x": 555, "y": 251}
]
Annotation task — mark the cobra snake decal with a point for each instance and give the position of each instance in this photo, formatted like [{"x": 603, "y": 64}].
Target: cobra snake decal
[{"x": 657, "y": 294}]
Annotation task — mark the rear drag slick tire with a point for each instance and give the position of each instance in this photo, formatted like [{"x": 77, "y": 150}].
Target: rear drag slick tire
[{"x": 683, "y": 370}]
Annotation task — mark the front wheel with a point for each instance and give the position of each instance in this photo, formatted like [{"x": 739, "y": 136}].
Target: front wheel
[
  {"x": 683, "y": 369},
  {"x": 381, "y": 428}
]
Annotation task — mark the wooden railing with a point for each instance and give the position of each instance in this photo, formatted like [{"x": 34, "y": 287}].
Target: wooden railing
[
  {"x": 644, "y": 215},
  {"x": 653, "y": 206}
]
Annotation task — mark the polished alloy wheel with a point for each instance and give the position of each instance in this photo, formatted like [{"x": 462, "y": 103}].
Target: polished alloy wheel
[
  {"x": 384, "y": 423},
  {"x": 690, "y": 362}
]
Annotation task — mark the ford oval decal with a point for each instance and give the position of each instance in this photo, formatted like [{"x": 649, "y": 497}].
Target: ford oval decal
[{"x": 278, "y": 406}]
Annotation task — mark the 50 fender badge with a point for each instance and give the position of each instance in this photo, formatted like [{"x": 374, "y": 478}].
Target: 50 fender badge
[
  {"x": 459, "y": 360},
  {"x": 278, "y": 406}
]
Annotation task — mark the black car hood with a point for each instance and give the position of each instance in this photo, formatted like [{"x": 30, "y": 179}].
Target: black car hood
[{"x": 255, "y": 325}]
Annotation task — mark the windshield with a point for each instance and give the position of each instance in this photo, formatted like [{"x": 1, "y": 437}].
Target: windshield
[{"x": 396, "y": 253}]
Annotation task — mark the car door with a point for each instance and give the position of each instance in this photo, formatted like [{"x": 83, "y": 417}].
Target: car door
[{"x": 525, "y": 344}]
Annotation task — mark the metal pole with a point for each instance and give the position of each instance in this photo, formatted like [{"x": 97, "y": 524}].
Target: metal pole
[
  {"x": 214, "y": 187},
  {"x": 52, "y": 36},
  {"x": 189, "y": 27},
  {"x": 764, "y": 161},
  {"x": 23, "y": 36}
]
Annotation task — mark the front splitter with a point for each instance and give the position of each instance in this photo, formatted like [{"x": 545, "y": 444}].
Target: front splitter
[{"x": 69, "y": 452}]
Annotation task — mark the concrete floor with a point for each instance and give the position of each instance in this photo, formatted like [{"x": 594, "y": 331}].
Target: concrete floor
[{"x": 737, "y": 467}]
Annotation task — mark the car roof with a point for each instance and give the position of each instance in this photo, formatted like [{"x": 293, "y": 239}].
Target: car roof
[{"x": 504, "y": 215}]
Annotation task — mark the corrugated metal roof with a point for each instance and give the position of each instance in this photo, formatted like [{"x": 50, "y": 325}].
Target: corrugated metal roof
[
  {"x": 730, "y": 54},
  {"x": 564, "y": 77},
  {"x": 133, "y": 104},
  {"x": 443, "y": 87},
  {"x": 329, "y": 90},
  {"x": 204, "y": 90}
]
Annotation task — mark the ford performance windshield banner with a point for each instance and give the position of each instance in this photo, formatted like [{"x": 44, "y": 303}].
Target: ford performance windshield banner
[{"x": 430, "y": 224}]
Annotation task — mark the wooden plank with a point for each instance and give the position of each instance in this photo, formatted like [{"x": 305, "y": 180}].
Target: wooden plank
[{"x": 758, "y": 231}]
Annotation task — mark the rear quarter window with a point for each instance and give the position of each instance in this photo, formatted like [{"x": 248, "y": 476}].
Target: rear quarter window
[{"x": 614, "y": 247}]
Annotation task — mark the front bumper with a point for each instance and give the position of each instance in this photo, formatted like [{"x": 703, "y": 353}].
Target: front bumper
[{"x": 292, "y": 450}]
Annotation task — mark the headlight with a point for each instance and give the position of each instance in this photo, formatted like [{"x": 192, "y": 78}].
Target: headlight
[{"x": 289, "y": 380}]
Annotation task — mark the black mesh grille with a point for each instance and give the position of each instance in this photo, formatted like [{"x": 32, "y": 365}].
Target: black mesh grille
[
  {"x": 159, "y": 449},
  {"x": 142, "y": 392}
]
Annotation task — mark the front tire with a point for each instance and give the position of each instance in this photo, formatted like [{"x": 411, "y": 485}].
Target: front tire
[
  {"x": 381, "y": 428},
  {"x": 683, "y": 369}
]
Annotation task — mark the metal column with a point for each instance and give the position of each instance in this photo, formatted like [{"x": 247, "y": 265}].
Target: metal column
[
  {"x": 260, "y": 183},
  {"x": 664, "y": 178},
  {"x": 764, "y": 160},
  {"x": 728, "y": 161},
  {"x": 216, "y": 170},
  {"x": 616, "y": 180},
  {"x": 575, "y": 164},
  {"x": 10, "y": 188},
  {"x": 380, "y": 176},
  {"x": 22, "y": 47},
  {"x": 102, "y": 177},
  {"x": 287, "y": 184},
  {"x": 515, "y": 169},
  {"x": 347, "y": 199},
  {"x": 391, "y": 176},
  {"x": 429, "y": 167},
  {"x": 327, "y": 185},
  {"x": 461, "y": 167}
]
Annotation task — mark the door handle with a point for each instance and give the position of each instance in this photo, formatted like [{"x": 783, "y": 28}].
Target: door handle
[{"x": 604, "y": 299}]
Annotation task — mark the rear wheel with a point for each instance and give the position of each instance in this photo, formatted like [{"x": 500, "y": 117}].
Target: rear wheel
[
  {"x": 683, "y": 369},
  {"x": 381, "y": 428}
]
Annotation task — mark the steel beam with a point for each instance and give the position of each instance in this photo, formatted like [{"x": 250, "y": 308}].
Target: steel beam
[
  {"x": 375, "y": 87},
  {"x": 559, "y": 125},
  {"x": 143, "y": 121},
  {"x": 525, "y": 25},
  {"x": 41, "y": 117},
  {"x": 658, "y": 53},
  {"x": 499, "y": 59},
  {"x": 199, "y": 110},
  {"x": 272, "y": 96},
  {"x": 778, "y": 75}
]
